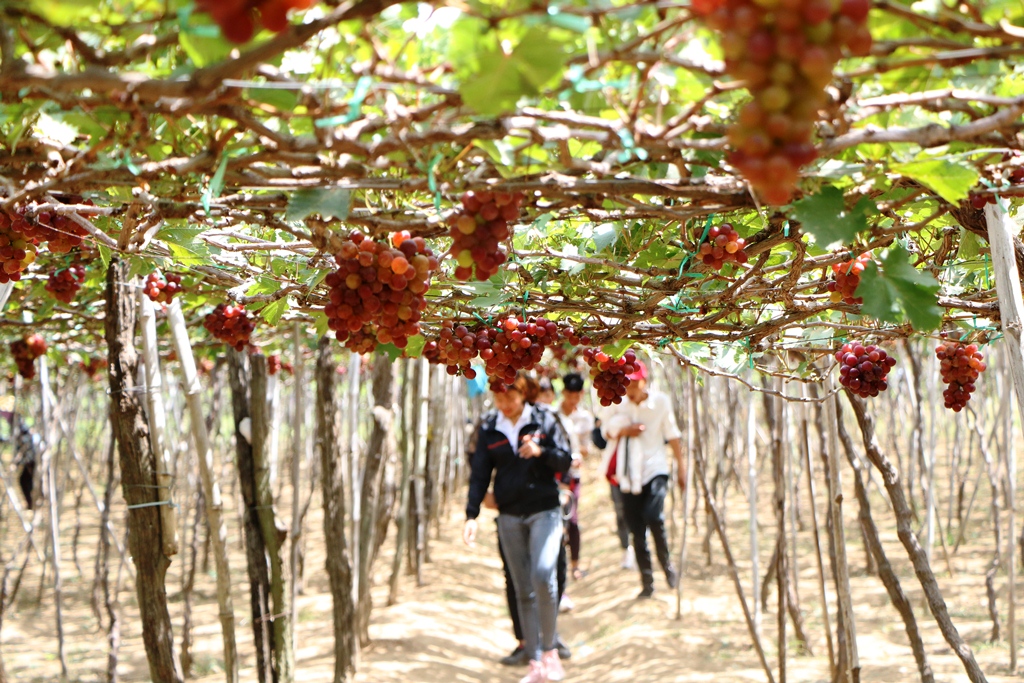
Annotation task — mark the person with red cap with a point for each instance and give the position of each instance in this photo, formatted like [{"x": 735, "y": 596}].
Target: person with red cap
[{"x": 639, "y": 429}]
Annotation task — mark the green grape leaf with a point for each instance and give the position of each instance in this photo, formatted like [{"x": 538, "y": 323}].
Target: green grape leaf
[
  {"x": 273, "y": 311},
  {"x": 897, "y": 292},
  {"x": 216, "y": 185},
  {"x": 392, "y": 351},
  {"x": 501, "y": 79},
  {"x": 825, "y": 216},
  {"x": 414, "y": 349},
  {"x": 951, "y": 180},
  {"x": 184, "y": 244},
  {"x": 322, "y": 322},
  {"x": 329, "y": 202},
  {"x": 616, "y": 349}
]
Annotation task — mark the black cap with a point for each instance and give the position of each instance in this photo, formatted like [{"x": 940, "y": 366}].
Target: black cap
[{"x": 573, "y": 382}]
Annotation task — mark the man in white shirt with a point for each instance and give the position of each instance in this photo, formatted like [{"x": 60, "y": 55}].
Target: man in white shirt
[
  {"x": 641, "y": 427},
  {"x": 579, "y": 423}
]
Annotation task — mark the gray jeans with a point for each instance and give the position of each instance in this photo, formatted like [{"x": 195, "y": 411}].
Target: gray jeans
[
  {"x": 620, "y": 517},
  {"x": 531, "y": 546}
]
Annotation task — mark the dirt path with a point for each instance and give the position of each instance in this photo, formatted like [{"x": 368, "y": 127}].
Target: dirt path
[{"x": 455, "y": 627}]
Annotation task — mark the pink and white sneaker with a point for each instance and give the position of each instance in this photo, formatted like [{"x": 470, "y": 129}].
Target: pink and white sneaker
[
  {"x": 536, "y": 674},
  {"x": 553, "y": 666}
]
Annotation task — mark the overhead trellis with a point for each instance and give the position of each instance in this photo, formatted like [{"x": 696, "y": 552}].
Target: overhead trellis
[{"x": 243, "y": 167}]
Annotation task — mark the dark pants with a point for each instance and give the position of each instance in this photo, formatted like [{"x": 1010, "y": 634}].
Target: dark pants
[
  {"x": 572, "y": 525},
  {"x": 644, "y": 511},
  {"x": 620, "y": 517},
  {"x": 510, "y": 589}
]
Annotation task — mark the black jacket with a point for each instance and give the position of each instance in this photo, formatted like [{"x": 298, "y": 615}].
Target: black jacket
[{"x": 522, "y": 486}]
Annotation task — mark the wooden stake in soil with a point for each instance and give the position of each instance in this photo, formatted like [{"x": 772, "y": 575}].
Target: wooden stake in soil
[
  {"x": 904, "y": 530},
  {"x": 339, "y": 570},
  {"x": 158, "y": 423},
  {"x": 211, "y": 490},
  {"x": 1001, "y": 232},
  {"x": 297, "y": 451},
  {"x": 50, "y": 492},
  {"x": 138, "y": 478}
]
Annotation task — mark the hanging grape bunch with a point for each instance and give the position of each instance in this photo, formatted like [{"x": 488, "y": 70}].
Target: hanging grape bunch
[
  {"x": 161, "y": 289},
  {"x": 478, "y": 231},
  {"x": 60, "y": 233},
  {"x": 25, "y": 351},
  {"x": 784, "y": 52},
  {"x": 64, "y": 284},
  {"x": 92, "y": 366},
  {"x": 610, "y": 375},
  {"x": 960, "y": 365},
  {"x": 273, "y": 364},
  {"x": 457, "y": 346},
  {"x": 517, "y": 345},
  {"x": 16, "y": 251},
  {"x": 862, "y": 369},
  {"x": 380, "y": 284},
  {"x": 847, "y": 279},
  {"x": 237, "y": 18},
  {"x": 723, "y": 245},
  {"x": 230, "y": 324}
]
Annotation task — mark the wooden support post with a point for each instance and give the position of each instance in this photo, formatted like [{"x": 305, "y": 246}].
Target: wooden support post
[
  {"x": 158, "y": 424},
  {"x": 211, "y": 490},
  {"x": 1001, "y": 233},
  {"x": 297, "y": 452},
  {"x": 49, "y": 477}
]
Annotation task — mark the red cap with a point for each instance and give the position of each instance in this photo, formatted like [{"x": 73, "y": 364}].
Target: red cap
[{"x": 641, "y": 371}]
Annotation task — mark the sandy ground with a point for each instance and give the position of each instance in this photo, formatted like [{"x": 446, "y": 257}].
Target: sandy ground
[{"x": 455, "y": 627}]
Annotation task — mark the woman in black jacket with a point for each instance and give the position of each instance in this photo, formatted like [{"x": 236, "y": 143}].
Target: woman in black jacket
[{"x": 523, "y": 445}]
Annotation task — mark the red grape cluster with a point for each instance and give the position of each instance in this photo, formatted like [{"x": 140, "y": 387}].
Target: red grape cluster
[
  {"x": 847, "y": 279},
  {"x": 273, "y": 364},
  {"x": 516, "y": 345},
  {"x": 610, "y": 374},
  {"x": 723, "y": 245},
  {"x": 230, "y": 324},
  {"x": 237, "y": 17},
  {"x": 25, "y": 351},
  {"x": 457, "y": 346},
  {"x": 161, "y": 289},
  {"x": 381, "y": 285},
  {"x": 92, "y": 366},
  {"x": 60, "y": 233},
  {"x": 960, "y": 365},
  {"x": 862, "y": 369},
  {"x": 478, "y": 231},
  {"x": 16, "y": 250},
  {"x": 784, "y": 52},
  {"x": 64, "y": 284}
]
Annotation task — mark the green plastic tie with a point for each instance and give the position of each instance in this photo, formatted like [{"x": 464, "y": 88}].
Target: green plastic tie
[{"x": 432, "y": 180}]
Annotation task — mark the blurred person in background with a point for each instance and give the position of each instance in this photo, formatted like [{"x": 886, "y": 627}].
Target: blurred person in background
[{"x": 580, "y": 424}]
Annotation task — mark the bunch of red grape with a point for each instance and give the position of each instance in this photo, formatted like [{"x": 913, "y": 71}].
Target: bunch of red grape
[
  {"x": 64, "y": 284},
  {"x": 60, "y": 233},
  {"x": 92, "y": 366},
  {"x": 230, "y": 324},
  {"x": 25, "y": 351},
  {"x": 784, "y": 53},
  {"x": 237, "y": 17},
  {"x": 960, "y": 365},
  {"x": 161, "y": 289},
  {"x": 457, "y": 346},
  {"x": 862, "y": 369},
  {"x": 478, "y": 231},
  {"x": 363, "y": 340},
  {"x": 610, "y": 374},
  {"x": 379, "y": 284},
  {"x": 517, "y": 345},
  {"x": 16, "y": 250},
  {"x": 273, "y": 364},
  {"x": 723, "y": 245},
  {"x": 847, "y": 279}
]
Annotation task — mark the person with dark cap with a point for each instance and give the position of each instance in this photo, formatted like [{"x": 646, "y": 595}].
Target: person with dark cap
[
  {"x": 579, "y": 422},
  {"x": 640, "y": 428}
]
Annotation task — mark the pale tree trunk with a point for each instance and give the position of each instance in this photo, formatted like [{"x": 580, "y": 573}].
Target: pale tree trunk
[
  {"x": 422, "y": 403},
  {"x": 295, "y": 555},
  {"x": 158, "y": 423},
  {"x": 255, "y": 549},
  {"x": 404, "y": 484},
  {"x": 49, "y": 478},
  {"x": 904, "y": 530},
  {"x": 214, "y": 506},
  {"x": 138, "y": 478},
  {"x": 339, "y": 570},
  {"x": 274, "y": 532},
  {"x": 353, "y": 474}
]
